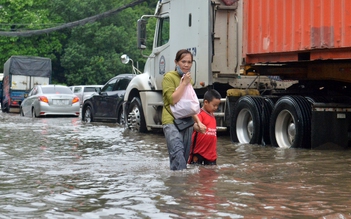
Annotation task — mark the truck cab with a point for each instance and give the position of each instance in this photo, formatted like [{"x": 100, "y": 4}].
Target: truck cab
[{"x": 211, "y": 31}]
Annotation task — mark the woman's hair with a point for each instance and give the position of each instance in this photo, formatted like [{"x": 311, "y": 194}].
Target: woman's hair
[{"x": 181, "y": 53}]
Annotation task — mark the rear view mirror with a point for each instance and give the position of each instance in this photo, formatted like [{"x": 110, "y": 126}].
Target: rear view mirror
[
  {"x": 125, "y": 59},
  {"x": 141, "y": 34}
]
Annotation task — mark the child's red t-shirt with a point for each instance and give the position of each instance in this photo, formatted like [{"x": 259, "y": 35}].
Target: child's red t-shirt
[{"x": 206, "y": 143}]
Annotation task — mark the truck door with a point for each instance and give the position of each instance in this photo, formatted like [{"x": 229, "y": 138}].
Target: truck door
[
  {"x": 39, "y": 81},
  {"x": 20, "y": 82},
  {"x": 161, "y": 51},
  {"x": 181, "y": 24}
]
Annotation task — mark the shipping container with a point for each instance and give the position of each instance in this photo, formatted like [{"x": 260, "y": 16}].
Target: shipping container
[{"x": 296, "y": 30}]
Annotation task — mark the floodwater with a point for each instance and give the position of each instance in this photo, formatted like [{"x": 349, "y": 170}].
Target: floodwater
[{"x": 63, "y": 168}]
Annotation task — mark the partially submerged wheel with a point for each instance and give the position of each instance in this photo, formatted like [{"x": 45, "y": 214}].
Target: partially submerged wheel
[
  {"x": 120, "y": 117},
  {"x": 21, "y": 112},
  {"x": 34, "y": 115},
  {"x": 87, "y": 114},
  {"x": 3, "y": 109},
  {"x": 136, "y": 119},
  {"x": 290, "y": 125},
  {"x": 6, "y": 108},
  {"x": 250, "y": 120}
]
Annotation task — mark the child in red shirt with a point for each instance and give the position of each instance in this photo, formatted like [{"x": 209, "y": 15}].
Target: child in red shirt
[{"x": 204, "y": 145}]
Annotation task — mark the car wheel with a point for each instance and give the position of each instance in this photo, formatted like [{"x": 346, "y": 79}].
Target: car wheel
[
  {"x": 34, "y": 115},
  {"x": 87, "y": 114},
  {"x": 21, "y": 112},
  {"x": 136, "y": 119},
  {"x": 120, "y": 117}
]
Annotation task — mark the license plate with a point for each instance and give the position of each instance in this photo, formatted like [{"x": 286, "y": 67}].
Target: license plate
[{"x": 60, "y": 102}]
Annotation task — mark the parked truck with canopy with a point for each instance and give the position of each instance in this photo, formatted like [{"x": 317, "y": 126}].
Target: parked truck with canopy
[
  {"x": 21, "y": 73},
  {"x": 282, "y": 67}
]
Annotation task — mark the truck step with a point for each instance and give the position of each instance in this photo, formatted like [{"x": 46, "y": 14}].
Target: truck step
[
  {"x": 156, "y": 104},
  {"x": 218, "y": 114},
  {"x": 155, "y": 126}
]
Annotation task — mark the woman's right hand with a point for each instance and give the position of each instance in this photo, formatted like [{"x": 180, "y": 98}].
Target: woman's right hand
[
  {"x": 187, "y": 78},
  {"x": 200, "y": 127}
]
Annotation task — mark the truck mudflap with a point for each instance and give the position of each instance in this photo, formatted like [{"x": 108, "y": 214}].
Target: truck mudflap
[{"x": 330, "y": 126}]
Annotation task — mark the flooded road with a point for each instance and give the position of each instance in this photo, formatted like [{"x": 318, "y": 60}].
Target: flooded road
[{"x": 63, "y": 168}]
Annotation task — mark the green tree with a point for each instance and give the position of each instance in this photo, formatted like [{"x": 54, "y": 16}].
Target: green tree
[
  {"x": 21, "y": 15},
  {"x": 92, "y": 52},
  {"x": 87, "y": 54}
]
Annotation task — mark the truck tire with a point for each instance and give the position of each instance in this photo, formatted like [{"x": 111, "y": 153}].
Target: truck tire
[
  {"x": 21, "y": 112},
  {"x": 136, "y": 119},
  {"x": 250, "y": 120},
  {"x": 290, "y": 125},
  {"x": 5, "y": 109},
  {"x": 269, "y": 102},
  {"x": 87, "y": 114}
]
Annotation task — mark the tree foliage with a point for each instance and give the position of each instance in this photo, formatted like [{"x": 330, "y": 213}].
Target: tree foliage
[
  {"x": 88, "y": 54},
  {"x": 27, "y": 15}
]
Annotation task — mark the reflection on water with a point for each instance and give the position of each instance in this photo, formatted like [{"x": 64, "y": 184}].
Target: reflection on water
[{"x": 62, "y": 168}]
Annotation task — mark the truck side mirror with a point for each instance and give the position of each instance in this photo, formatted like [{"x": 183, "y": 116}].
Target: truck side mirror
[{"x": 141, "y": 33}]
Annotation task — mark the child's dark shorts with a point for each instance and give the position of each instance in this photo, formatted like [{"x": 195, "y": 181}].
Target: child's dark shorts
[{"x": 200, "y": 160}]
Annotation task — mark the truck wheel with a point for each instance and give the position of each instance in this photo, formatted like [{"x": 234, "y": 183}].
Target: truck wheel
[
  {"x": 290, "y": 125},
  {"x": 21, "y": 112},
  {"x": 269, "y": 102},
  {"x": 136, "y": 119},
  {"x": 250, "y": 119},
  {"x": 87, "y": 114},
  {"x": 5, "y": 109}
]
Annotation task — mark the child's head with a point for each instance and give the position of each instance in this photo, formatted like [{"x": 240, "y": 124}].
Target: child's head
[{"x": 212, "y": 99}]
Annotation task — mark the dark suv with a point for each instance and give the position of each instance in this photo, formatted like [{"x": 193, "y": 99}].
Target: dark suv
[{"x": 106, "y": 104}]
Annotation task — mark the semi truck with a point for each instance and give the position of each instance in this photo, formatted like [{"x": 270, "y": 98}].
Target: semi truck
[
  {"x": 283, "y": 68},
  {"x": 21, "y": 73}
]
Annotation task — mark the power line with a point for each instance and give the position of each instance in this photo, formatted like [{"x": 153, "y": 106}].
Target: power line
[{"x": 69, "y": 25}]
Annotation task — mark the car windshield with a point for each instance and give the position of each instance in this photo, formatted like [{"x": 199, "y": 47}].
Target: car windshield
[{"x": 56, "y": 90}]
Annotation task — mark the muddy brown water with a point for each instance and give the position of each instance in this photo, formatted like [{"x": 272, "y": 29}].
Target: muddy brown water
[{"x": 63, "y": 168}]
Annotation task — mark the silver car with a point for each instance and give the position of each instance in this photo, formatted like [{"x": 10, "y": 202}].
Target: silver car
[
  {"x": 84, "y": 91},
  {"x": 45, "y": 100}
]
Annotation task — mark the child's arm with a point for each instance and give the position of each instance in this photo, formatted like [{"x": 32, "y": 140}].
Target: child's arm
[{"x": 198, "y": 126}]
